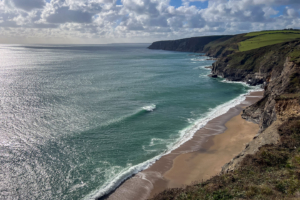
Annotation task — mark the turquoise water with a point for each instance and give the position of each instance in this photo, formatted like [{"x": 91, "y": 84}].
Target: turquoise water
[{"x": 77, "y": 120}]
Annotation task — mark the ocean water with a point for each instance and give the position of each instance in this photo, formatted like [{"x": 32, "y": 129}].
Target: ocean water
[{"x": 77, "y": 120}]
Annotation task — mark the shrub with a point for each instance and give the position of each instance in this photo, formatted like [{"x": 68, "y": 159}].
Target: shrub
[{"x": 221, "y": 195}]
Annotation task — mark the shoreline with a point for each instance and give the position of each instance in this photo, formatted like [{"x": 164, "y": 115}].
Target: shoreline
[{"x": 164, "y": 173}]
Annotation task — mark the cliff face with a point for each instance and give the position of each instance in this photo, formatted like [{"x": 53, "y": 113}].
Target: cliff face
[
  {"x": 279, "y": 85},
  {"x": 269, "y": 66},
  {"x": 281, "y": 102},
  {"x": 254, "y": 66},
  {"x": 195, "y": 44}
]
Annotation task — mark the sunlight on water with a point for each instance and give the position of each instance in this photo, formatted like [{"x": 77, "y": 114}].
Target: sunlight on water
[{"x": 77, "y": 120}]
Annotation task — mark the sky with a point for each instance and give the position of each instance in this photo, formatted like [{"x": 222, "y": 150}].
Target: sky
[{"x": 142, "y": 21}]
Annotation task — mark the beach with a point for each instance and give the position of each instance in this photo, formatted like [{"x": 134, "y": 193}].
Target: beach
[{"x": 200, "y": 158}]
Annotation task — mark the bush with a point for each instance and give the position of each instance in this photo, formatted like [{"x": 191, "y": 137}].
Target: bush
[
  {"x": 290, "y": 133},
  {"x": 272, "y": 157},
  {"x": 221, "y": 195}
]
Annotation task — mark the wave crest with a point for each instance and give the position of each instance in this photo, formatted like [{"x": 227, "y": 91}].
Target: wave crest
[{"x": 150, "y": 108}]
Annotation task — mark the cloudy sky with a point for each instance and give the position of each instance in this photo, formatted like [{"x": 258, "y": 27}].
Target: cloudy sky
[{"x": 114, "y": 21}]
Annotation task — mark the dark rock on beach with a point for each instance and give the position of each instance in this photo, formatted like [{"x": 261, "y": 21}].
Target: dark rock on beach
[{"x": 213, "y": 75}]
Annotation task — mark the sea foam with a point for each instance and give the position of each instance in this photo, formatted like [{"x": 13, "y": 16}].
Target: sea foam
[{"x": 151, "y": 107}]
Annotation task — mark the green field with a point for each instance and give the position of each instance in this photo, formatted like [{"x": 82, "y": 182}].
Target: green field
[{"x": 265, "y": 38}]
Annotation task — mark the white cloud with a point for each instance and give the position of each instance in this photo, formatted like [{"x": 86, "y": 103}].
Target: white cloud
[{"x": 139, "y": 20}]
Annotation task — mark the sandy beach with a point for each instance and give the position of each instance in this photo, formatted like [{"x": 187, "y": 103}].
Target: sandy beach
[
  {"x": 200, "y": 158},
  {"x": 188, "y": 168}
]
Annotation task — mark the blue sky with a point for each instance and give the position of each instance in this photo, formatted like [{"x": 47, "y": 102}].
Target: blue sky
[
  {"x": 198, "y": 4},
  {"x": 119, "y": 2},
  {"x": 280, "y": 10},
  {"x": 107, "y": 21}
]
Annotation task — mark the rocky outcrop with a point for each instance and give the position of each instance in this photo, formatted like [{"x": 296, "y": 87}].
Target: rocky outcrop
[
  {"x": 269, "y": 66},
  {"x": 194, "y": 44},
  {"x": 213, "y": 75},
  {"x": 256, "y": 66},
  {"x": 278, "y": 85}
]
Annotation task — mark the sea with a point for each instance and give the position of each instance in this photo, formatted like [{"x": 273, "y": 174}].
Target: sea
[{"x": 78, "y": 120}]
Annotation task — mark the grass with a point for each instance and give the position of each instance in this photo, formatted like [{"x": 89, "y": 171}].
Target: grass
[
  {"x": 245, "y": 42},
  {"x": 267, "y": 39},
  {"x": 272, "y": 173},
  {"x": 294, "y": 84},
  {"x": 295, "y": 56}
]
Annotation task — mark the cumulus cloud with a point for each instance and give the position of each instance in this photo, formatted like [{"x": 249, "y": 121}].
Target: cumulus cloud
[
  {"x": 291, "y": 13},
  {"x": 146, "y": 20},
  {"x": 27, "y": 5},
  {"x": 65, "y": 14}
]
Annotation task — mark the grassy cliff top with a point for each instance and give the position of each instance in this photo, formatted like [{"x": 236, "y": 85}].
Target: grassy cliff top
[
  {"x": 223, "y": 45},
  {"x": 249, "y": 41},
  {"x": 265, "y": 38}
]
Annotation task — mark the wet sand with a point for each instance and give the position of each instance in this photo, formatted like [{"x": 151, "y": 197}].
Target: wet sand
[{"x": 198, "y": 159}]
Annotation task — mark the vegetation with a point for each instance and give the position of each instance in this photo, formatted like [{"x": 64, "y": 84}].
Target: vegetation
[
  {"x": 294, "y": 84},
  {"x": 272, "y": 173},
  {"x": 295, "y": 56},
  {"x": 225, "y": 45},
  {"x": 246, "y": 42},
  {"x": 266, "y": 39},
  {"x": 251, "y": 61}
]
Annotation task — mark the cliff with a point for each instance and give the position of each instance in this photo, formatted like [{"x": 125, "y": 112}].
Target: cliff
[
  {"x": 274, "y": 151},
  {"x": 280, "y": 104},
  {"x": 277, "y": 68}
]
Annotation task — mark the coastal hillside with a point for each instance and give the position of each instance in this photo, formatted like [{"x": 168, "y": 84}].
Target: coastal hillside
[
  {"x": 223, "y": 45},
  {"x": 269, "y": 167},
  {"x": 194, "y": 44}
]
